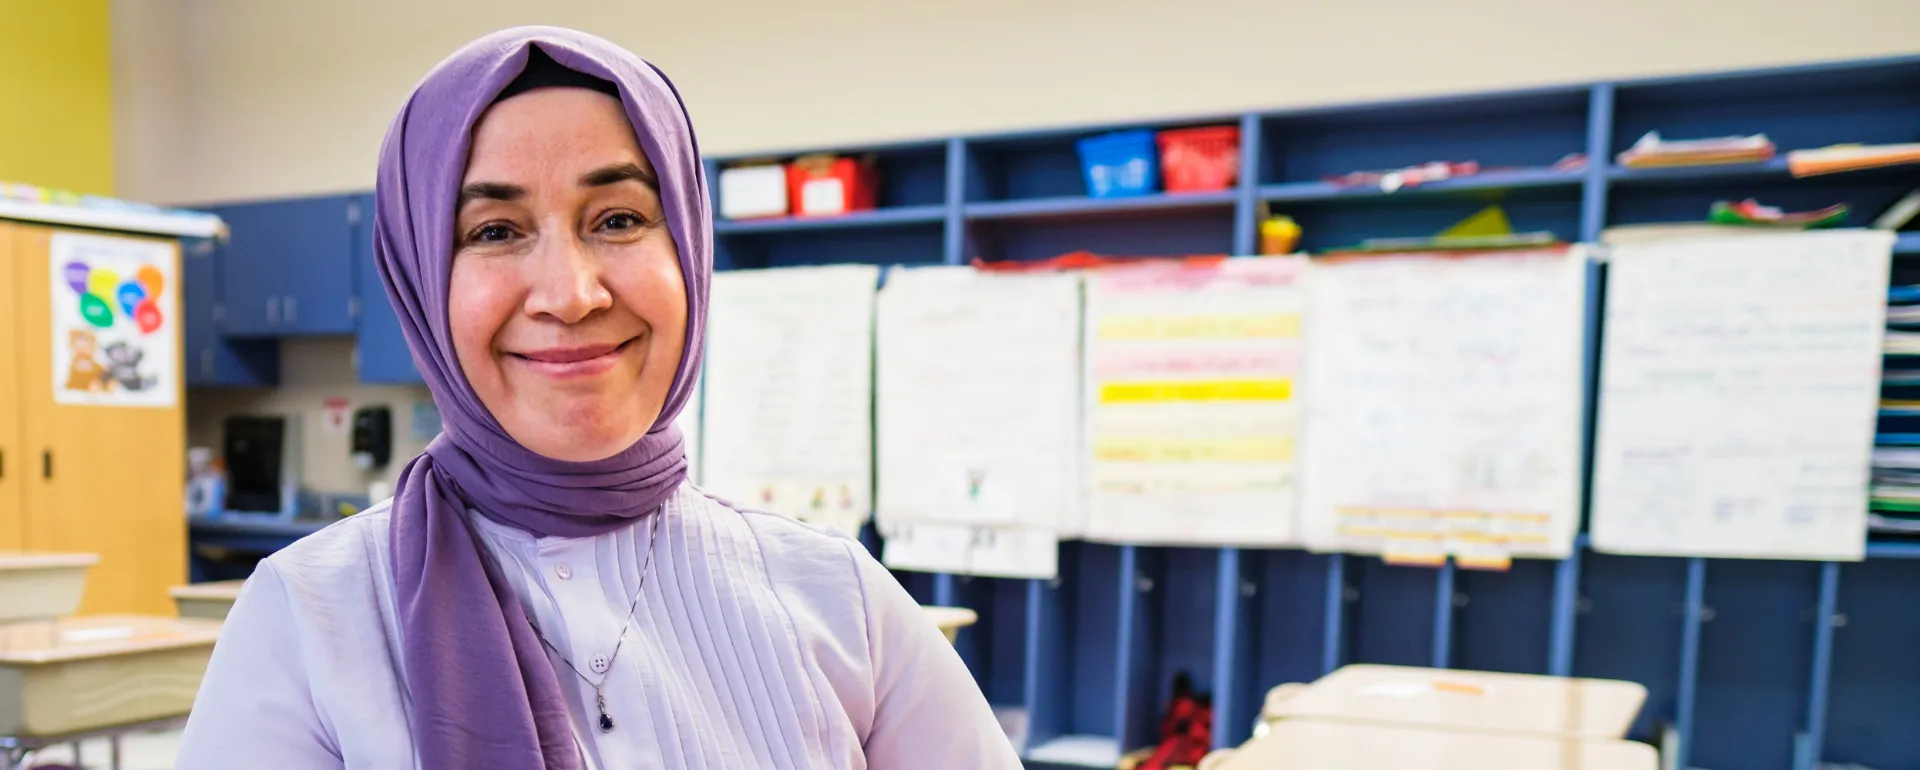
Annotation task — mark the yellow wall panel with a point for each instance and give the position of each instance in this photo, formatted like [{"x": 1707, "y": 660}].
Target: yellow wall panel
[{"x": 56, "y": 94}]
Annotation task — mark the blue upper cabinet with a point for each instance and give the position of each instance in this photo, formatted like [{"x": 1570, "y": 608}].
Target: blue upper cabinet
[
  {"x": 288, "y": 267},
  {"x": 381, "y": 352},
  {"x": 209, "y": 358}
]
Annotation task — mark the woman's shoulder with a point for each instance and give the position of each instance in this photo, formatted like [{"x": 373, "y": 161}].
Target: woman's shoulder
[
  {"x": 340, "y": 563},
  {"x": 807, "y": 565}
]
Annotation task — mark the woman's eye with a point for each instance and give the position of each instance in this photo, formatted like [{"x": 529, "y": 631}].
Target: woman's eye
[
  {"x": 621, "y": 221},
  {"x": 492, "y": 234}
]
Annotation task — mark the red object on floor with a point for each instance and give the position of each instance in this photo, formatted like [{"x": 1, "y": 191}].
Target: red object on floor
[{"x": 1186, "y": 732}]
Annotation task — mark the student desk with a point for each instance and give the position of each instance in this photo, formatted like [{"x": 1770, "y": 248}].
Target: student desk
[
  {"x": 207, "y": 600},
  {"x": 37, "y": 585},
  {"x": 1308, "y": 744},
  {"x": 73, "y": 678},
  {"x": 950, "y": 619},
  {"x": 1444, "y": 699}
]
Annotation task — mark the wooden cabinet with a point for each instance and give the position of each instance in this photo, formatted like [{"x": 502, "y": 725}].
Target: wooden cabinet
[
  {"x": 101, "y": 479},
  {"x": 212, "y": 358},
  {"x": 288, "y": 267},
  {"x": 381, "y": 349}
]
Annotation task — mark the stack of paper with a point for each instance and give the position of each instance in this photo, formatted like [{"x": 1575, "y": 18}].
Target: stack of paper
[
  {"x": 1851, "y": 157},
  {"x": 1653, "y": 152},
  {"x": 1903, "y": 343}
]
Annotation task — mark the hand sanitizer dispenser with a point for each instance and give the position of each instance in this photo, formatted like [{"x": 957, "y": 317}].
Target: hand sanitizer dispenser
[{"x": 372, "y": 437}]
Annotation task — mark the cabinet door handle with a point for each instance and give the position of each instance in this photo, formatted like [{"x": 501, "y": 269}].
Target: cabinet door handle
[
  {"x": 46, "y": 464},
  {"x": 293, "y": 307},
  {"x": 273, "y": 310}
]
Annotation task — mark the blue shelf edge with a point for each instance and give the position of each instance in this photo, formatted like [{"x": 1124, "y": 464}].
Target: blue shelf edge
[
  {"x": 1906, "y": 243},
  {"x": 1033, "y": 208},
  {"x": 1772, "y": 169},
  {"x": 1493, "y": 180},
  {"x": 888, "y": 217}
]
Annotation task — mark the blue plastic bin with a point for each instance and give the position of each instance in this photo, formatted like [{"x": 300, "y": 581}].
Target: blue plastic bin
[{"x": 1120, "y": 164}]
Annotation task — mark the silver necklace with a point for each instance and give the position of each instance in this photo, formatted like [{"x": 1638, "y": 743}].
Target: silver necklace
[{"x": 599, "y": 697}]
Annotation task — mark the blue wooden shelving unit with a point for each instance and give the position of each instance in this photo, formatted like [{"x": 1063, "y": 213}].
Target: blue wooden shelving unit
[{"x": 1755, "y": 664}]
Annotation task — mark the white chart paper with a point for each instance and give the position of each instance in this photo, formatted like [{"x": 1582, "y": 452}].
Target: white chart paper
[
  {"x": 1191, "y": 415},
  {"x": 789, "y": 392},
  {"x": 116, "y": 321},
  {"x": 1739, "y": 388},
  {"x": 689, "y": 423},
  {"x": 977, "y": 392},
  {"x": 1444, "y": 405}
]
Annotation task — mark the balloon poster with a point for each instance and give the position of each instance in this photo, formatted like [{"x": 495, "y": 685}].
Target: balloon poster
[{"x": 116, "y": 315}]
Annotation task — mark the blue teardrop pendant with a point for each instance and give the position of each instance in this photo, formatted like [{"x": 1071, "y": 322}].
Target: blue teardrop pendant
[{"x": 606, "y": 722}]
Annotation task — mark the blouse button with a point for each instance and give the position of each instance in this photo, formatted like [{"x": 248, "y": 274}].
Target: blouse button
[
  {"x": 565, "y": 572},
  {"x": 598, "y": 663}
]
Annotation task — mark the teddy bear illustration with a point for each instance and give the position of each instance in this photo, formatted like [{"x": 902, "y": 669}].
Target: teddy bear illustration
[
  {"x": 84, "y": 372},
  {"x": 123, "y": 366}
]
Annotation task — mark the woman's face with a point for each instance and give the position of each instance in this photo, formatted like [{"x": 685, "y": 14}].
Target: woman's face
[{"x": 567, "y": 305}]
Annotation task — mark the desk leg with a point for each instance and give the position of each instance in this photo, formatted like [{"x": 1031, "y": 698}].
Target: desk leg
[
  {"x": 113, "y": 751},
  {"x": 77, "y": 764}
]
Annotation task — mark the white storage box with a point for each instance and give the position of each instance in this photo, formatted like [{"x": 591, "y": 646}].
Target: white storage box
[{"x": 748, "y": 192}]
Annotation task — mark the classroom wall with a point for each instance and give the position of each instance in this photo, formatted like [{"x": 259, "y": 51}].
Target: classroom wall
[
  {"x": 56, "y": 95},
  {"x": 227, "y": 99},
  {"x": 223, "y": 99}
]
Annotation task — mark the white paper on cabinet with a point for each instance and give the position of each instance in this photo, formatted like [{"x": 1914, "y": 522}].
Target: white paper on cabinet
[
  {"x": 116, "y": 321},
  {"x": 1740, "y": 381},
  {"x": 1191, "y": 415},
  {"x": 1444, "y": 404},
  {"x": 977, "y": 412},
  {"x": 789, "y": 392}
]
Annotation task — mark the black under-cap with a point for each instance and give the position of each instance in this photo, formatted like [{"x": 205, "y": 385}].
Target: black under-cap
[{"x": 543, "y": 72}]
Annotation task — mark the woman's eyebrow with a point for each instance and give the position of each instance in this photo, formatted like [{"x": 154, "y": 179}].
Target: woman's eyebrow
[
  {"x": 497, "y": 191},
  {"x": 621, "y": 172}
]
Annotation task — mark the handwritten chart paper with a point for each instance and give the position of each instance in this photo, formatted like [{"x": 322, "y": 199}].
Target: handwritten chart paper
[
  {"x": 789, "y": 392},
  {"x": 977, "y": 409},
  {"x": 688, "y": 421},
  {"x": 1740, "y": 381},
  {"x": 1444, "y": 405},
  {"x": 1191, "y": 415}
]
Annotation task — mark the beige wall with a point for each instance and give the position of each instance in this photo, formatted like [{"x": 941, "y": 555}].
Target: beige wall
[
  {"x": 220, "y": 99},
  {"x": 224, "y": 99}
]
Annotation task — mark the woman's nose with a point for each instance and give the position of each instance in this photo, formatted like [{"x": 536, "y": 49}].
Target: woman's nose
[{"x": 566, "y": 281}]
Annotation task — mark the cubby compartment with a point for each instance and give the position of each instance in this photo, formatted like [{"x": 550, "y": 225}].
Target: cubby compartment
[
  {"x": 1514, "y": 138},
  {"x": 1875, "y": 675},
  {"x": 1074, "y": 646},
  {"x": 1125, "y": 232},
  {"x": 1630, "y": 625},
  {"x": 882, "y": 243},
  {"x": 1502, "y": 620},
  {"x": 1283, "y": 620},
  {"x": 1393, "y": 616},
  {"x": 995, "y": 646},
  {"x": 1045, "y": 165},
  {"x": 1167, "y": 624},
  {"x": 1800, "y": 108},
  {"x": 910, "y": 183},
  {"x": 1342, "y": 223},
  {"x": 1756, "y": 639},
  {"x": 1689, "y": 200}
]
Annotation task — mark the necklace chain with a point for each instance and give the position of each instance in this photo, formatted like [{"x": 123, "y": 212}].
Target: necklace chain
[{"x": 599, "y": 697}]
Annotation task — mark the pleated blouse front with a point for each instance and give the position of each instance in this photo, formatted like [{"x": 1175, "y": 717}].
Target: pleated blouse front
[{"x": 756, "y": 643}]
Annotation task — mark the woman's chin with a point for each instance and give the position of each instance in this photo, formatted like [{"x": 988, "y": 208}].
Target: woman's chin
[{"x": 580, "y": 435}]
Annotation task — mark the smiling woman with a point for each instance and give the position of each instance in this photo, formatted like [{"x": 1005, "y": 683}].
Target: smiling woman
[
  {"x": 544, "y": 235},
  {"x": 569, "y": 314}
]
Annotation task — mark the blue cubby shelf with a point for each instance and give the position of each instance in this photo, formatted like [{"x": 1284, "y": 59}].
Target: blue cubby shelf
[{"x": 1752, "y": 663}]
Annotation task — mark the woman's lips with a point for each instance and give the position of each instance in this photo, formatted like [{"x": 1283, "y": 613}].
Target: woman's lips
[{"x": 572, "y": 362}]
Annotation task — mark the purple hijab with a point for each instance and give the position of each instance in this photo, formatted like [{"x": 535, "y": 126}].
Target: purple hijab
[{"x": 481, "y": 691}]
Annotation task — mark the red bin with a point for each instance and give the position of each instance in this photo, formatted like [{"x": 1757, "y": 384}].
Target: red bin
[
  {"x": 1199, "y": 159},
  {"x": 825, "y": 185}
]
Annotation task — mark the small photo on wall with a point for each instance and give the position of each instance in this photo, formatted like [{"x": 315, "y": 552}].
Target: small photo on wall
[{"x": 115, "y": 314}]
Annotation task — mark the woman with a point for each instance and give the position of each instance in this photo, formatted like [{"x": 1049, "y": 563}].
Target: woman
[{"x": 545, "y": 590}]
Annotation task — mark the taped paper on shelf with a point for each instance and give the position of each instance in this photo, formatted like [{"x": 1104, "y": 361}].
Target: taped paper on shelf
[
  {"x": 1443, "y": 400},
  {"x": 1191, "y": 409}
]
